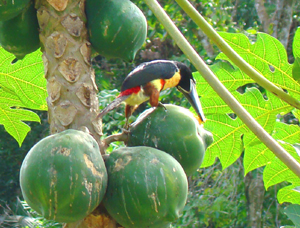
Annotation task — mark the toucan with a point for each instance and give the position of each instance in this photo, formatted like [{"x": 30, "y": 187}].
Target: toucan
[{"x": 147, "y": 80}]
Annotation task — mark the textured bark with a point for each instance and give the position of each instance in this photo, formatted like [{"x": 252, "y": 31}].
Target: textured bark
[
  {"x": 262, "y": 15},
  {"x": 72, "y": 92},
  {"x": 72, "y": 100},
  {"x": 282, "y": 20},
  {"x": 255, "y": 190},
  {"x": 279, "y": 25}
]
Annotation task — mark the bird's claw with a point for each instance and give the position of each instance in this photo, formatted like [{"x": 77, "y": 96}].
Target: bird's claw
[
  {"x": 162, "y": 105},
  {"x": 126, "y": 131},
  {"x": 126, "y": 126}
]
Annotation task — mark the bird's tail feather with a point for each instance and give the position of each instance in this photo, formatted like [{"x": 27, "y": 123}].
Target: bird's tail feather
[{"x": 114, "y": 104}]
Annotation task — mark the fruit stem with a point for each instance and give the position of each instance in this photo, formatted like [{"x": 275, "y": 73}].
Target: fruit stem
[
  {"x": 113, "y": 138},
  {"x": 221, "y": 90}
]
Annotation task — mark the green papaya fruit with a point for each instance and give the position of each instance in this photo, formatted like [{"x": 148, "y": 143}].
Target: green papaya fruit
[
  {"x": 117, "y": 28},
  {"x": 147, "y": 188},
  {"x": 11, "y": 8},
  {"x": 175, "y": 131},
  {"x": 20, "y": 35},
  {"x": 63, "y": 177}
]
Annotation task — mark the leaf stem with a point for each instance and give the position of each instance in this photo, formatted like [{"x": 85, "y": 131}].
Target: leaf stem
[
  {"x": 233, "y": 56},
  {"x": 220, "y": 89}
]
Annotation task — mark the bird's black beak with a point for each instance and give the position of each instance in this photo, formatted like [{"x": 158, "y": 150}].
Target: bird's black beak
[{"x": 193, "y": 98}]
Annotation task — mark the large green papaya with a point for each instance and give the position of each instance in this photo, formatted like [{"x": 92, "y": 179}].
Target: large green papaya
[
  {"x": 20, "y": 35},
  {"x": 117, "y": 28},
  {"x": 11, "y": 8},
  {"x": 175, "y": 131},
  {"x": 63, "y": 177},
  {"x": 147, "y": 188}
]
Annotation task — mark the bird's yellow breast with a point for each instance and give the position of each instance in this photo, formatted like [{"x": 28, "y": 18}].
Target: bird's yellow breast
[
  {"x": 137, "y": 98},
  {"x": 172, "y": 82}
]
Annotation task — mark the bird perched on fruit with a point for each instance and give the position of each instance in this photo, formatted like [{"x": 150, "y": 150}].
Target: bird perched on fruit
[{"x": 147, "y": 80}]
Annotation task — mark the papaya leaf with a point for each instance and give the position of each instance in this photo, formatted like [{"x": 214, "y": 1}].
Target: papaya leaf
[
  {"x": 22, "y": 87},
  {"x": 296, "y": 69},
  {"x": 296, "y": 44},
  {"x": 296, "y": 52},
  {"x": 289, "y": 194},
  {"x": 232, "y": 78},
  {"x": 293, "y": 212},
  {"x": 256, "y": 153},
  {"x": 268, "y": 56},
  {"x": 228, "y": 144},
  {"x": 231, "y": 136},
  {"x": 296, "y": 113},
  {"x": 24, "y": 78},
  {"x": 276, "y": 171},
  {"x": 288, "y": 133},
  {"x": 12, "y": 116}
]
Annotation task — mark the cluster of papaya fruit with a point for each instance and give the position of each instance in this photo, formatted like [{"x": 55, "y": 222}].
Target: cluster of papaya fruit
[
  {"x": 64, "y": 178},
  {"x": 117, "y": 28}
]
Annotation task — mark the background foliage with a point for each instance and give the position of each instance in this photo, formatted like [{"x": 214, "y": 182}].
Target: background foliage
[{"x": 218, "y": 195}]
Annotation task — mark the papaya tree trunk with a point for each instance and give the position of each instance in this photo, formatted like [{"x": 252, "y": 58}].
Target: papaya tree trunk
[{"x": 72, "y": 92}]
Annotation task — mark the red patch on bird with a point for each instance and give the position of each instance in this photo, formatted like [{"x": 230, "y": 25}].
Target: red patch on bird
[
  {"x": 163, "y": 82},
  {"x": 130, "y": 91}
]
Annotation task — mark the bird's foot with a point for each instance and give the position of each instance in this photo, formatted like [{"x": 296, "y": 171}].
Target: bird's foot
[
  {"x": 125, "y": 131},
  {"x": 165, "y": 108},
  {"x": 126, "y": 126},
  {"x": 162, "y": 105}
]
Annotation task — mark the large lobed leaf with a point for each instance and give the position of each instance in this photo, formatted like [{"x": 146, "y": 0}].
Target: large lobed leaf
[
  {"x": 231, "y": 136},
  {"x": 22, "y": 85}
]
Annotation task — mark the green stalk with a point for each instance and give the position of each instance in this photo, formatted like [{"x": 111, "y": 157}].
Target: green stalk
[
  {"x": 233, "y": 56},
  {"x": 214, "y": 82}
]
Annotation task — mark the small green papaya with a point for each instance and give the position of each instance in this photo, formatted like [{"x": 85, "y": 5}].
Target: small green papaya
[
  {"x": 11, "y": 8},
  {"x": 63, "y": 177},
  {"x": 175, "y": 131},
  {"x": 20, "y": 35},
  {"x": 117, "y": 28},
  {"x": 147, "y": 188}
]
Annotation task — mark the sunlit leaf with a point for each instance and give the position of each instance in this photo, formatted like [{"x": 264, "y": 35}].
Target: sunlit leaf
[
  {"x": 231, "y": 136},
  {"x": 13, "y": 117},
  {"x": 22, "y": 85},
  {"x": 276, "y": 171},
  {"x": 296, "y": 69},
  {"x": 268, "y": 56},
  {"x": 296, "y": 44},
  {"x": 289, "y": 194},
  {"x": 25, "y": 79}
]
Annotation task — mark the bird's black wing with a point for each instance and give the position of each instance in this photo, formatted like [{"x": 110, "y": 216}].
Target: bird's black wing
[{"x": 146, "y": 72}]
